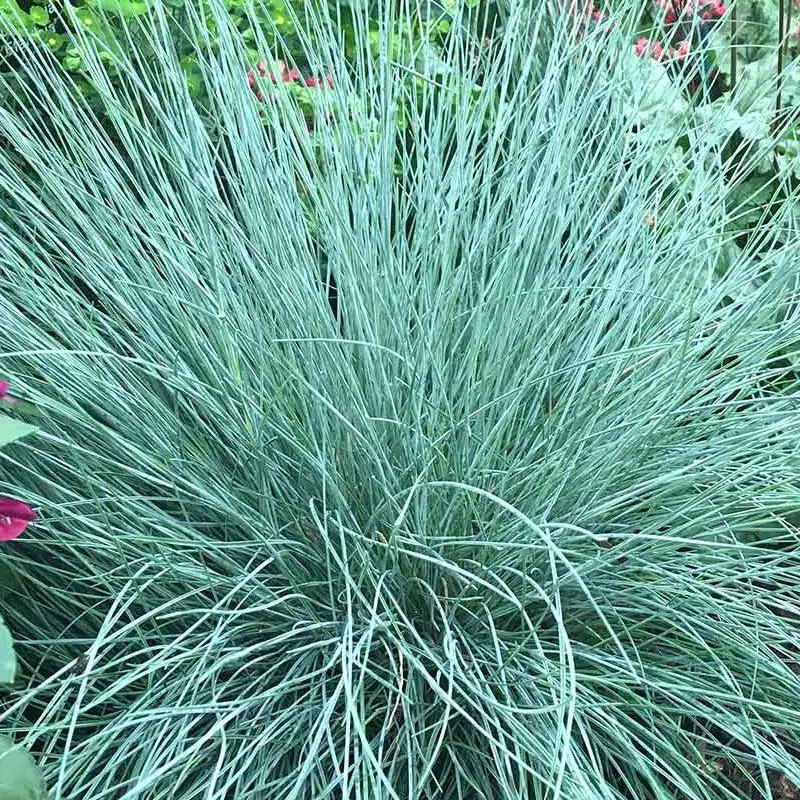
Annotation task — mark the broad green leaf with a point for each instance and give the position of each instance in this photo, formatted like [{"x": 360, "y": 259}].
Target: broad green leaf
[
  {"x": 788, "y": 157},
  {"x": 717, "y": 121},
  {"x": 20, "y": 777},
  {"x": 754, "y": 125},
  {"x": 757, "y": 29},
  {"x": 8, "y": 658},
  {"x": 39, "y": 16},
  {"x": 14, "y": 18},
  {"x": 53, "y": 40},
  {"x": 86, "y": 18},
  {"x": 126, "y": 8},
  {"x": 651, "y": 97},
  {"x": 12, "y": 430},
  {"x": 72, "y": 61}
]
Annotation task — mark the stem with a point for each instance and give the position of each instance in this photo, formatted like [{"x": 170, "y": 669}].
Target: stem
[
  {"x": 734, "y": 46},
  {"x": 781, "y": 37}
]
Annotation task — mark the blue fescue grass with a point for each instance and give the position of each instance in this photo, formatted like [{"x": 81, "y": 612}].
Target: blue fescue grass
[{"x": 520, "y": 524}]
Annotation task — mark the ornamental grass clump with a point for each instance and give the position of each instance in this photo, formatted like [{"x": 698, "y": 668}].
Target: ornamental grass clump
[{"x": 519, "y": 520}]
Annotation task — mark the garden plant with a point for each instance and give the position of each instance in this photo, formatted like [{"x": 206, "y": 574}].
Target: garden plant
[{"x": 399, "y": 400}]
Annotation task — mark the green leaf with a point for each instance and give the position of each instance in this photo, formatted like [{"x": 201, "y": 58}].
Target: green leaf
[
  {"x": 754, "y": 124},
  {"x": 11, "y": 430},
  {"x": 651, "y": 97},
  {"x": 125, "y": 8},
  {"x": 54, "y": 41},
  {"x": 20, "y": 777},
  {"x": 72, "y": 61},
  {"x": 86, "y": 18},
  {"x": 788, "y": 156},
  {"x": 39, "y": 16},
  {"x": 14, "y": 18},
  {"x": 8, "y": 658}
]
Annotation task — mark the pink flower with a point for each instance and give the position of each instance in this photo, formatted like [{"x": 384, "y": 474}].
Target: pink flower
[
  {"x": 15, "y": 516},
  {"x": 681, "y": 51},
  {"x": 677, "y": 9},
  {"x": 262, "y": 70},
  {"x": 316, "y": 83},
  {"x": 286, "y": 76},
  {"x": 641, "y": 47},
  {"x": 4, "y": 393},
  {"x": 713, "y": 9},
  {"x": 587, "y": 12}
]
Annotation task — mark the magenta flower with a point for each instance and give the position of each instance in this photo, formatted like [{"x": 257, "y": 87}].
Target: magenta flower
[
  {"x": 15, "y": 516},
  {"x": 5, "y": 397}
]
